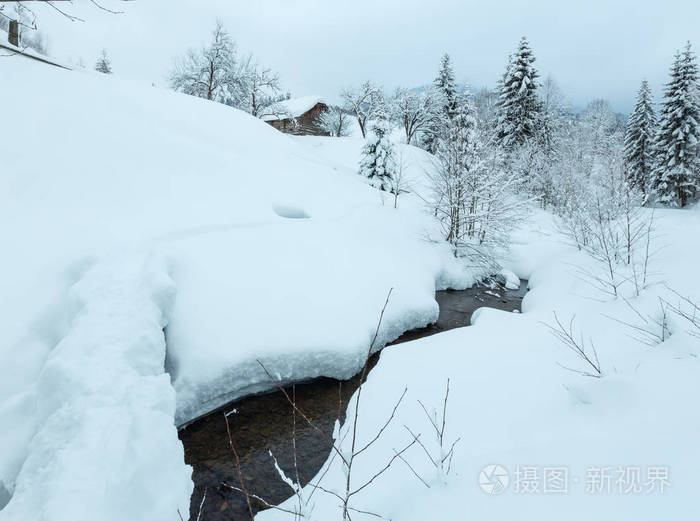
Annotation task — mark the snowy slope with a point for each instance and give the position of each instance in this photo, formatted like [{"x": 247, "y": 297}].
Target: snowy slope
[
  {"x": 273, "y": 254},
  {"x": 345, "y": 153},
  {"x": 625, "y": 445}
]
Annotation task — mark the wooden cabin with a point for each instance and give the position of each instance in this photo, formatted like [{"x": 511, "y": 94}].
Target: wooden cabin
[{"x": 299, "y": 116}]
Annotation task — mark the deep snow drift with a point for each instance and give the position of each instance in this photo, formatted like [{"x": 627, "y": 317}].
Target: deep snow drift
[{"x": 272, "y": 253}]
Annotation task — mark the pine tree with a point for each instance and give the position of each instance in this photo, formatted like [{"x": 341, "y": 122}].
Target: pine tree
[
  {"x": 519, "y": 108},
  {"x": 639, "y": 140},
  {"x": 103, "y": 64},
  {"x": 677, "y": 165},
  {"x": 445, "y": 86},
  {"x": 377, "y": 163},
  {"x": 445, "y": 83}
]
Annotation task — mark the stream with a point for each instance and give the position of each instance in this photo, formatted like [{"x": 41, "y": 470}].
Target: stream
[{"x": 261, "y": 424}]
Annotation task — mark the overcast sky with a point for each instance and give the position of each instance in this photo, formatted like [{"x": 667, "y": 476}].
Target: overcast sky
[{"x": 594, "y": 48}]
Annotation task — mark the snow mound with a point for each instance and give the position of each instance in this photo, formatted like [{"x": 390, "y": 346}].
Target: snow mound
[
  {"x": 510, "y": 279},
  {"x": 291, "y": 212}
]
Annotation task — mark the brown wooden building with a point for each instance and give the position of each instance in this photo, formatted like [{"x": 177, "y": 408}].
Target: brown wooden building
[{"x": 299, "y": 116}]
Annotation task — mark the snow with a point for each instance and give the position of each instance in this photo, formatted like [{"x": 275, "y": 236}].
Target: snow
[
  {"x": 104, "y": 407},
  {"x": 261, "y": 248},
  {"x": 161, "y": 245},
  {"x": 511, "y": 280},
  {"x": 294, "y": 107},
  {"x": 512, "y": 403}
]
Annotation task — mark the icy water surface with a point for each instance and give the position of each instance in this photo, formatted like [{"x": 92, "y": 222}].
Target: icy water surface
[{"x": 262, "y": 424}]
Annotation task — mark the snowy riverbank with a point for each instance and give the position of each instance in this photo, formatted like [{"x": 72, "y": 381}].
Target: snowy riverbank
[{"x": 570, "y": 446}]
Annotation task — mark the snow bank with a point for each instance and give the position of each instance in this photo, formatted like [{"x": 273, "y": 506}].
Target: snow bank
[
  {"x": 513, "y": 404},
  {"x": 302, "y": 296},
  {"x": 106, "y": 446}
]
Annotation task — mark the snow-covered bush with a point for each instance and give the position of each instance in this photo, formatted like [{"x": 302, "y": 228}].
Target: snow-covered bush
[
  {"x": 602, "y": 215},
  {"x": 378, "y": 163}
]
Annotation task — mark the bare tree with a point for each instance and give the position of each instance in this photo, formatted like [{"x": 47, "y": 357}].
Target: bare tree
[
  {"x": 688, "y": 310},
  {"x": 335, "y": 121},
  {"x": 364, "y": 102},
  {"x": 650, "y": 329},
  {"x": 415, "y": 112},
  {"x": 209, "y": 72},
  {"x": 585, "y": 351},
  {"x": 442, "y": 460},
  {"x": 398, "y": 182},
  {"x": 216, "y": 72},
  {"x": 257, "y": 90}
]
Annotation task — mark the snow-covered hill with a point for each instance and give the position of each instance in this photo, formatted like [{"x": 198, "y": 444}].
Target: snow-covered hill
[{"x": 126, "y": 210}]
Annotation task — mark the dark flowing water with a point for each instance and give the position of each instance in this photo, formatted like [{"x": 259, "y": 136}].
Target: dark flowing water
[{"x": 264, "y": 423}]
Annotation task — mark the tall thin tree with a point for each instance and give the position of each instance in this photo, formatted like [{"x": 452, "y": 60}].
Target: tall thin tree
[
  {"x": 639, "y": 140},
  {"x": 445, "y": 87}
]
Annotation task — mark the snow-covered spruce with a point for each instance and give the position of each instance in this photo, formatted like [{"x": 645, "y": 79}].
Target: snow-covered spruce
[
  {"x": 677, "y": 163},
  {"x": 445, "y": 92},
  {"x": 445, "y": 84},
  {"x": 378, "y": 161},
  {"x": 519, "y": 107},
  {"x": 639, "y": 140},
  {"x": 103, "y": 63}
]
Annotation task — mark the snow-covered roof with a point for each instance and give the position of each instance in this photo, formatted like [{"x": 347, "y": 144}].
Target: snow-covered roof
[{"x": 294, "y": 107}]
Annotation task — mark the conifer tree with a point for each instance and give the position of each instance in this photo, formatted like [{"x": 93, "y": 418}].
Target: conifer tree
[
  {"x": 445, "y": 83},
  {"x": 446, "y": 88},
  {"x": 639, "y": 140},
  {"x": 676, "y": 162},
  {"x": 519, "y": 107},
  {"x": 377, "y": 162},
  {"x": 103, "y": 64}
]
